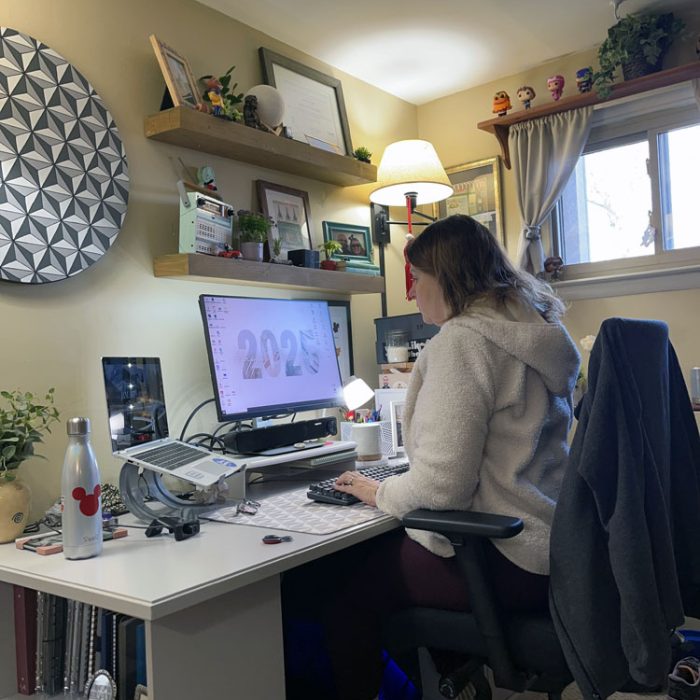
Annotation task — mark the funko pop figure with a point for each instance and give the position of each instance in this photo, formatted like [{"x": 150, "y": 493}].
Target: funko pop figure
[
  {"x": 555, "y": 85},
  {"x": 526, "y": 94},
  {"x": 584, "y": 79},
  {"x": 501, "y": 103}
]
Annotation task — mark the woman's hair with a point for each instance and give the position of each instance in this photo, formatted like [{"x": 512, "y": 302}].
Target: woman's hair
[{"x": 469, "y": 264}]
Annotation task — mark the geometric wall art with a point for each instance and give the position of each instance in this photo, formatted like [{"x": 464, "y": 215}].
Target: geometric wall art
[{"x": 64, "y": 181}]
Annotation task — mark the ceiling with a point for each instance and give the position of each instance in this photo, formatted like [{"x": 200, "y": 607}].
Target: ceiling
[{"x": 420, "y": 50}]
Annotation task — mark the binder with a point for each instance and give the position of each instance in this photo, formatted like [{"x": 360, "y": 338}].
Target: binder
[{"x": 25, "y": 610}]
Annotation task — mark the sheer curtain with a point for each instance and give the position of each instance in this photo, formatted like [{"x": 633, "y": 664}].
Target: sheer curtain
[{"x": 544, "y": 153}]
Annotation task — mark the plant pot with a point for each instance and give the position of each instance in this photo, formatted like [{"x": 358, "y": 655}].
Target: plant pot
[
  {"x": 329, "y": 265},
  {"x": 252, "y": 250},
  {"x": 637, "y": 66},
  {"x": 15, "y": 498}
]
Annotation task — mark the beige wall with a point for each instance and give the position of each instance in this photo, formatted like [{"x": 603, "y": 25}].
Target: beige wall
[{"x": 55, "y": 334}]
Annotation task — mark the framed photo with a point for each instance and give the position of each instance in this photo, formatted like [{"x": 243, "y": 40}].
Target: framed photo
[
  {"x": 397, "y": 427},
  {"x": 314, "y": 105},
  {"x": 342, "y": 333},
  {"x": 290, "y": 211},
  {"x": 356, "y": 241},
  {"x": 177, "y": 73},
  {"x": 477, "y": 194}
]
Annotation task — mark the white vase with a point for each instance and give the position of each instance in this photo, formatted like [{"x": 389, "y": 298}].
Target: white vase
[
  {"x": 252, "y": 250},
  {"x": 15, "y": 498}
]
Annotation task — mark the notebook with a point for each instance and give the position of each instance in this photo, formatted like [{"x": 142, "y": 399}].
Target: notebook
[{"x": 138, "y": 424}]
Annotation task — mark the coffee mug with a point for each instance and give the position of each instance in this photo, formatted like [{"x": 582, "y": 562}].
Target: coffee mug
[{"x": 368, "y": 437}]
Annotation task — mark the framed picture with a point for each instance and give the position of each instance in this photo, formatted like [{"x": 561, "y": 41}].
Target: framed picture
[
  {"x": 290, "y": 211},
  {"x": 177, "y": 73},
  {"x": 397, "y": 427},
  {"x": 342, "y": 333},
  {"x": 477, "y": 194},
  {"x": 314, "y": 108},
  {"x": 356, "y": 241}
]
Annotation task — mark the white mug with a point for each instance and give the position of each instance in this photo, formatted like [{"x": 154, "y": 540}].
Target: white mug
[{"x": 368, "y": 437}]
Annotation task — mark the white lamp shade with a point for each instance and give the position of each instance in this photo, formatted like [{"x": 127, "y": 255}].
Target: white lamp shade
[
  {"x": 270, "y": 104},
  {"x": 356, "y": 393},
  {"x": 410, "y": 166}
]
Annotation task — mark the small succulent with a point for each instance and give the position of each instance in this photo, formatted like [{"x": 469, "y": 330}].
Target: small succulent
[
  {"x": 363, "y": 154},
  {"x": 330, "y": 247}
]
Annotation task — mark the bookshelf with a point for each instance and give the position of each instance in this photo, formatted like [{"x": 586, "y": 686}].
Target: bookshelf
[{"x": 500, "y": 126}]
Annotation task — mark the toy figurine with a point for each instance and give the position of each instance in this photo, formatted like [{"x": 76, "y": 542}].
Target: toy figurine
[
  {"x": 250, "y": 112},
  {"x": 584, "y": 79},
  {"x": 555, "y": 85},
  {"x": 554, "y": 266},
  {"x": 205, "y": 178},
  {"x": 501, "y": 103},
  {"x": 214, "y": 88},
  {"x": 526, "y": 95}
]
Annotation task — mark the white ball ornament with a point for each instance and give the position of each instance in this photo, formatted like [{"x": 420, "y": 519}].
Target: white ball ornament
[{"x": 270, "y": 104}]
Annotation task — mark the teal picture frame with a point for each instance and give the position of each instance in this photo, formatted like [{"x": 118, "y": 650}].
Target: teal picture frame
[{"x": 356, "y": 241}]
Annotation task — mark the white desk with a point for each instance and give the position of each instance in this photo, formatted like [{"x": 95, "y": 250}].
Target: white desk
[{"x": 211, "y": 603}]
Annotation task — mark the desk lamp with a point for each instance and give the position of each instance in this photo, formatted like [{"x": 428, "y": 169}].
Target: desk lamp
[
  {"x": 409, "y": 174},
  {"x": 356, "y": 393}
]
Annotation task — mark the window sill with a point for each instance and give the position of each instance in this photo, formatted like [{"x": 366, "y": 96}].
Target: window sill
[{"x": 623, "y": 284}]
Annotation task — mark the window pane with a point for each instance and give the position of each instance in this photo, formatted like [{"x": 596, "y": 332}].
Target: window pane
[
  {"x": 680, "y": 201},
  {"x": 606, "y": 205}
]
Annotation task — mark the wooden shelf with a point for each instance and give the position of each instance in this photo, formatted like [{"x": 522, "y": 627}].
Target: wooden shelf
[
  {"x": 501, "y": 125},
  {"x": 209, "y": 268},
  {"x": 183, "y": 126}
]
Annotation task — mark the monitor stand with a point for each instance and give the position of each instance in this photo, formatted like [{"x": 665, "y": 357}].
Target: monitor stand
[{"x": 286, "y": 449}]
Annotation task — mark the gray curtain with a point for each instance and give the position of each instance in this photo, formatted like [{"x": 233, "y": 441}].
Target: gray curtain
[{"x": 544, "y": 153}]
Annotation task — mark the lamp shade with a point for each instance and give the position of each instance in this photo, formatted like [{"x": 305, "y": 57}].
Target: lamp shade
[
  {"x": 410, "y": 167},
  {"x": 356, "y": 393}
]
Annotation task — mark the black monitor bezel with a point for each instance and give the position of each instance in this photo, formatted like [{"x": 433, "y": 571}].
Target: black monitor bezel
[{"x": 276, "y": 409}]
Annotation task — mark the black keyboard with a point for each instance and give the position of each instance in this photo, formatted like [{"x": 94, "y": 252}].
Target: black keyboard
[{"x": 324, "y": 491}]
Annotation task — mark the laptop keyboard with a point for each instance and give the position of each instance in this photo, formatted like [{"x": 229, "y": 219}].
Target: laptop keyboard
[{"x": 170, "y": 456}]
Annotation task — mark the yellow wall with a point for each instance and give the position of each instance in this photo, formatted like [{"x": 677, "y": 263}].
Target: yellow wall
[{"x": 55, "y": 334}]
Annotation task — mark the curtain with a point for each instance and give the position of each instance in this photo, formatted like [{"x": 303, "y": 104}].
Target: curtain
[{"x": 544, "y": 153}]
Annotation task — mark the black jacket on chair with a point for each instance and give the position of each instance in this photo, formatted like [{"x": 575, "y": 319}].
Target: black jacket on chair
[{"x": 625, "y": 542}]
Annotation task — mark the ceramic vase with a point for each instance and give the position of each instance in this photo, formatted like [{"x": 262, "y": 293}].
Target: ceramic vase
[
  {"x": 252, "y": 250},
  {"x": 15, "y": 498}
]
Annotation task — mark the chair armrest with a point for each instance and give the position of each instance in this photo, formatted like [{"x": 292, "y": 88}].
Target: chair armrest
[{"x": 461, "y": 522}]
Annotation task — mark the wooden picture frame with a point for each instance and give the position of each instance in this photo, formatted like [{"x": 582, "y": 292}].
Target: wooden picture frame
[
  {"x": 177, "y": 74},
  {"x": 397, "y": 436},
  {"x": 291, "y": 213},
  {"x": 314, "y": 104},
  {"x": 477, "y": 194},
  {"x": 356, "y": 241},
  {"x": 342, "y": 334}
]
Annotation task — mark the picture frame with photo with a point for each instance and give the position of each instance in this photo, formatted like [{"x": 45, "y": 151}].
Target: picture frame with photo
[
  {"x": 477, "y": 193},
  {"x": 314, "y": 103},
  {"x": 396, "y": 418},
  {"x": 291, "y": 213},
  {"x": 177, "y": 74},
  {"x": 342, "y": 334},
  {"x": 356, "y": 241}
]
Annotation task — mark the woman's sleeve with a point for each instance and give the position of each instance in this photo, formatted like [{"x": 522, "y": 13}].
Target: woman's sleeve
[{"x": 448, "y": 429}]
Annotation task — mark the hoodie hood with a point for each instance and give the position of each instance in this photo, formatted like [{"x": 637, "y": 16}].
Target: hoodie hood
[{"x": 523, "y": 333}]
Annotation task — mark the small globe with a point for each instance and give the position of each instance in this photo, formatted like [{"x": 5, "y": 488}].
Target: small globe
[{"x": 270, "y": 104}]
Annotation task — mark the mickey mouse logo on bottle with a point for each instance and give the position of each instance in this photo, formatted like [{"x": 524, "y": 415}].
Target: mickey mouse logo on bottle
[{"x": 80, "y": 488}]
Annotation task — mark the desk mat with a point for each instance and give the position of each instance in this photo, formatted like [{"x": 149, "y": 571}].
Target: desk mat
[{"x": 295, "y": 512}]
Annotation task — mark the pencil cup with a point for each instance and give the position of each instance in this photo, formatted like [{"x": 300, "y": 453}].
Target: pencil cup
[{"x": 368, "y": 437}]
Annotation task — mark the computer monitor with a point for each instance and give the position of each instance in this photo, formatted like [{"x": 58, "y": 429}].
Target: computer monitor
[{"x": 270, "y": 356}]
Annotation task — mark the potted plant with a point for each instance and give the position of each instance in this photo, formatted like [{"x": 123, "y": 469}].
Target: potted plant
[
  {"x": 637, "y": 43},
  {"x": 23, "y": 422},
  {"x": 330, "y": 247},
  {"x": 253, "y": 229},
  {"x": 363, "y": 154}
]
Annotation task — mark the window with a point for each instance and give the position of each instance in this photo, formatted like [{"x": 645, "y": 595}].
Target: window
[{"x": 632, "y": 201}]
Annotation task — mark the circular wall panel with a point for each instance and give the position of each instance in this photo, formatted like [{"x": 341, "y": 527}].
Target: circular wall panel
[{"x": 64, "y": 182}]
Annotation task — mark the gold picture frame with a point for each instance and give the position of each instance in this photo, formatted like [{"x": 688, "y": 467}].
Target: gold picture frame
[
  {"x": 477, "y": 193},
  {"x": 177, "y": 74}
]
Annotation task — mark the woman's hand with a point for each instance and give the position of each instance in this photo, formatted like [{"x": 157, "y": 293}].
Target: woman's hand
[{"x": 358, "y": 485}]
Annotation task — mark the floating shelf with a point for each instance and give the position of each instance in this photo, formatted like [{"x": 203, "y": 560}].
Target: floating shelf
[
  {"x": 209, "y": 268},
  {"x": 501, "y": 125},
  {"x": 183, "y": 126}
]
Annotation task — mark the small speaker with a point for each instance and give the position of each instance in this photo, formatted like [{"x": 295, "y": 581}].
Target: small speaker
[{"x": 262, "y": 439}]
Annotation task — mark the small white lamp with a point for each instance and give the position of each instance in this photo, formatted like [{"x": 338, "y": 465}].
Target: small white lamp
[{"x": 356, "y": 393}]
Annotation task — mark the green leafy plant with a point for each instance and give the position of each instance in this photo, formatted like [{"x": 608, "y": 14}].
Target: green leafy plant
[
  {"x": 276, "y": 246},
  {"x": 363, "y": 154},
  {"x": 23, "y": 422},
  {"x": 636, "y": 39},
  {"x": 253, "y": 227},
  {"x": 329, "y": 247},
  {"x": 228, "y": 95}
]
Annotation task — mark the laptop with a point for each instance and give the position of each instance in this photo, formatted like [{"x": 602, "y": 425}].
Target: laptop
[{"x": 138, "y": 424}]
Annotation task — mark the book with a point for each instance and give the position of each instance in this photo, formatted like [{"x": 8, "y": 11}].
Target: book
[{"x": 25, "y": 610}]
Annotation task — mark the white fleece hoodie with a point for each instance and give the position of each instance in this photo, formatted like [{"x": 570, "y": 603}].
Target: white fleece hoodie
[{"x": 486, "y": 418}]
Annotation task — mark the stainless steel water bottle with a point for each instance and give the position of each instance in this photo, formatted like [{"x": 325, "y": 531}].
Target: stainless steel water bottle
[{"x": 80, "y": 488}]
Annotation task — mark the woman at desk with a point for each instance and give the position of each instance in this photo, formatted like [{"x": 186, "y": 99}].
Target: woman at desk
[{"x": 486, "y": 418}]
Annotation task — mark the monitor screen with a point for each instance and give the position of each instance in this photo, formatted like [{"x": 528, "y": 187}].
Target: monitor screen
[{"x": 270, "y": 356}]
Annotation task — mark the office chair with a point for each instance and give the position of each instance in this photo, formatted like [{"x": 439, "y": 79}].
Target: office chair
[{"x": 636, "y": 433}]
